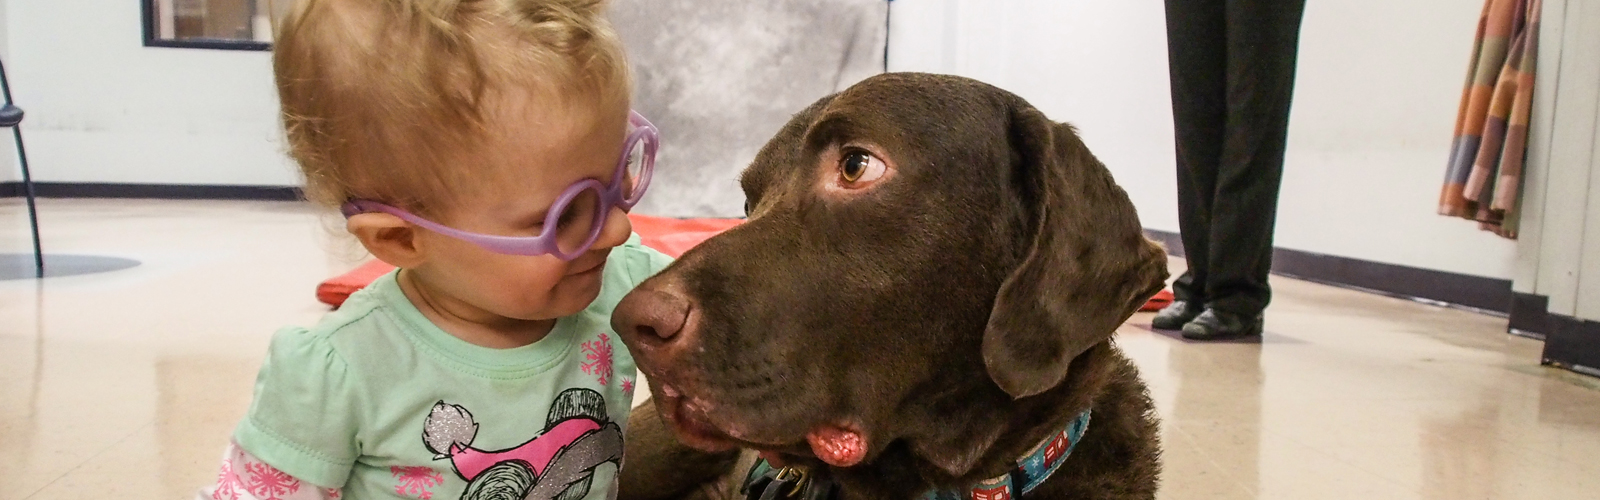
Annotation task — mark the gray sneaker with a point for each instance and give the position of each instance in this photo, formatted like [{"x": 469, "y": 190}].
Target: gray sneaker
[
  {"x": 1216, "y": 325},
  {"x": 1174, "y": 316}
]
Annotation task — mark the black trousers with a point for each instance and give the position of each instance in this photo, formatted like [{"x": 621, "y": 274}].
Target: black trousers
[{"x": 1232, "y": 67}]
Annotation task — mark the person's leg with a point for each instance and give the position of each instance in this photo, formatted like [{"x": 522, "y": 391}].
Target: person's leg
[
  {"x": 1263, "y": 39},
  {"x": 1197, "y": 66}
]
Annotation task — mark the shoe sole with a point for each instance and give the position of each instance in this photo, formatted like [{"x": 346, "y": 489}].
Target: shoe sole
[{"x": 1253, "y": 331}]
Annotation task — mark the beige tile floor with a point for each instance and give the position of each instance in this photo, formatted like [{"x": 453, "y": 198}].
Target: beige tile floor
[{"x": 125, "y": 385}]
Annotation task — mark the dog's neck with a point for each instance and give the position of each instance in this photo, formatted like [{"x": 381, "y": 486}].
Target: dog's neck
[
  {"x": 995, "y": 432},
  {"x": 1031, "y": 470},
  {"x": 1027, "y": 473}
]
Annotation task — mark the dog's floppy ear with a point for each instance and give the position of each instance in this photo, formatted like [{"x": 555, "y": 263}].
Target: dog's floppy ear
[{"x": 1087, "y": 265}]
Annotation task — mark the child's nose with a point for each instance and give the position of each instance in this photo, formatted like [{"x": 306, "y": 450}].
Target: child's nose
[{"x": 616, "y": 230}]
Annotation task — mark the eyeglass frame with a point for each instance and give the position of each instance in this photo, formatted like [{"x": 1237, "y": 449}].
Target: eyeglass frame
[{"x": 547, "y": 242}]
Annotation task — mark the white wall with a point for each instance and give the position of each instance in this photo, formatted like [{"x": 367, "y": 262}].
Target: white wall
[
  {"x": 1559, "y": 253},
  {"x": 1098, "y": 65},
  {"x": 101, "y": 107},
  {"x": 8, "y": 164},
  {"x": 1375, "y": 105}
]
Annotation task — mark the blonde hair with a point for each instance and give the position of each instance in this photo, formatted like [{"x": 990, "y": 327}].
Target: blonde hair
[{"x": 379, "y": 96}]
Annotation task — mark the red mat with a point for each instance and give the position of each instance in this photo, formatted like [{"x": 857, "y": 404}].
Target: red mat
[
  {"x": 667, "y": 235},
  {"x": 1162, "y": 299},
  {"x": 336, "y": 289}
]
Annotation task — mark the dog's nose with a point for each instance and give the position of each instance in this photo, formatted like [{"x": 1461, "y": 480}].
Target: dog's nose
[{"x": 650, "y": 315}]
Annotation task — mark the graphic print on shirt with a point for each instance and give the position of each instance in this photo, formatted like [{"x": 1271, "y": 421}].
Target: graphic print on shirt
[{"x": 556, "y": 464}]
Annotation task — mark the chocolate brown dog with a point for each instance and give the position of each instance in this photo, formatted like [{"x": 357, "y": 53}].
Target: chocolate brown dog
[{"x": 924, "y": 294}]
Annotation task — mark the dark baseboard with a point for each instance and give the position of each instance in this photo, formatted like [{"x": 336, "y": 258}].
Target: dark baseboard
[
  {"x": 1530, "y": 316},
  {"x": 1573, "y": 344},
  {"x": 1476, "y": 292},
  {"x": 154, "y": 191}
]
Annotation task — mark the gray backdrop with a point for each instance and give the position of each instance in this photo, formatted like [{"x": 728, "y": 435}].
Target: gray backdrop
[{"x": 718, "y": 77}]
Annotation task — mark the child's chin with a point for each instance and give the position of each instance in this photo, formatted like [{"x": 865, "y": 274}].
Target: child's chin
[
  {"x": 585, "y": 284},
  {"x": 573, "y": 297}
]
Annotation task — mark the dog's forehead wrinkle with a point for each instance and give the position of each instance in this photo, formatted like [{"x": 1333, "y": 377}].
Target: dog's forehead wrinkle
[{"x": 780, "y": 155}]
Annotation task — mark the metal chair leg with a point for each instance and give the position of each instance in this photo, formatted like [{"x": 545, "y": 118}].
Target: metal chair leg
[
  {"x": 33, "y": 210},
  {"x": 13, "y": 117}
]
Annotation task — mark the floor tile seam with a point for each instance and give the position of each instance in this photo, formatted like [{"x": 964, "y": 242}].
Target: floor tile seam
[
  {"x": 147, "y": 425},
  {"x": 1192, "y": 441},
  {"x": 1399, "y": 483}
]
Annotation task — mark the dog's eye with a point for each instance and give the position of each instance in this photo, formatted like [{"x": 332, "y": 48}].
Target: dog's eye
[{"x": 860, "y": 166}]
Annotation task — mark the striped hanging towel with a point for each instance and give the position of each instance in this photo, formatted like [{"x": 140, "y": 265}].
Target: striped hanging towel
[{"x": 1483, "y": 179}]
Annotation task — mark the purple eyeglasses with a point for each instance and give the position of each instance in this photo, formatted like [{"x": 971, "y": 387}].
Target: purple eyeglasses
[{"x": 576, "y": 218}]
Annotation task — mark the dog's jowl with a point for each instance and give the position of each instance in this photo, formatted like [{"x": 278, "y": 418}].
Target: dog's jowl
[{"x": 921, "y": 305}]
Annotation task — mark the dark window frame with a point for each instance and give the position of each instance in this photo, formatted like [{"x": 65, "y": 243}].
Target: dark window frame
[{"x": 148, "y": 9}]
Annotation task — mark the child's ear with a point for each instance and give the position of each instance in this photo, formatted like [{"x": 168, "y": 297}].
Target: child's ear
[{"x": 388, "y": 238}]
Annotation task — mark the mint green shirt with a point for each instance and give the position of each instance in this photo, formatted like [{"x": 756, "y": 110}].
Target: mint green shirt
[{"x": 379, "y": 402}]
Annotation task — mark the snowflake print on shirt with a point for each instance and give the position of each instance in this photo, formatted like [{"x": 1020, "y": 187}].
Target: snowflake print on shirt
[
  {"x": 228, "y": 485},
  {"x": 597, "y": 358},
  {"x": 418, "y": 481},
  {"x": 627, "y": 386},
  {"x": 269, "y": 483}
]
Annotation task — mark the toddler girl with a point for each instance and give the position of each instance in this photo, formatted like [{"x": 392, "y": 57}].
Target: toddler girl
[{"x": 486, "y": 149}]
